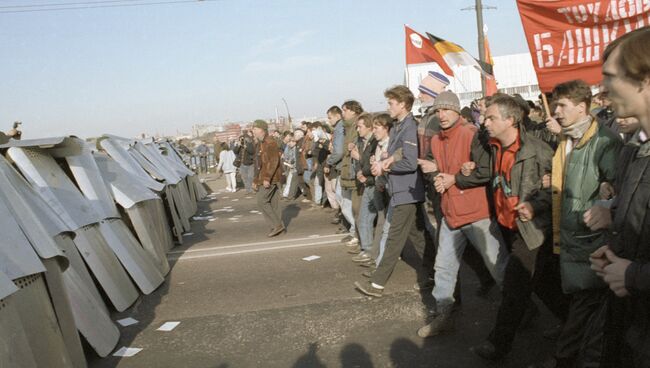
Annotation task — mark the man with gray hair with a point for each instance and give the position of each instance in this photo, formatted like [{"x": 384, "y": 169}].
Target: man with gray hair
[{"x": 522, "y": 206}]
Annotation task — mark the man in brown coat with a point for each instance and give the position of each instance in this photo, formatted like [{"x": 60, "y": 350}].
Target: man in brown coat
[{"x": 267, "y": 178}]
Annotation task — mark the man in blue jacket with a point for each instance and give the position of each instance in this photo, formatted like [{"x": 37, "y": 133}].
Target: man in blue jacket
[{"x": 405, "y": 187}]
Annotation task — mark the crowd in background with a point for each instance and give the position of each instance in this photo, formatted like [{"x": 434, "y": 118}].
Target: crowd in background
[{"x": 551, "y": 201}]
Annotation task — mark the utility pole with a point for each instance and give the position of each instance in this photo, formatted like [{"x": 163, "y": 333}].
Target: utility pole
[
  {"x": 478, "y": 6},
  {"x": 481, "y": 40}
]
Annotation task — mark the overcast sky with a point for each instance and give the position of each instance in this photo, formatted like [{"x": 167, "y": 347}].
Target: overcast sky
[{"x": 161, "y": 69}]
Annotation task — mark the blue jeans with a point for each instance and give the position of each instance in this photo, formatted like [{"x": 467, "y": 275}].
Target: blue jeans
[
  {"x": 384, "y": 235},
  {"x": 306, "y": 175},
  {"x": 318, "y": 191},
  {"x": 247, "y": 172},
  {"x": 344, "y": 196},
  {"x": 366, "y": 220},
  {"x": 287, "y": 185},
  {"x": 485, "y": 236}
]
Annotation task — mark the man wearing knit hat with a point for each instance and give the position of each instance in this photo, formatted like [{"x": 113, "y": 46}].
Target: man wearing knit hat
[
  {"x": 267, "y": 176},
  {"x": 465, "y": 210}
]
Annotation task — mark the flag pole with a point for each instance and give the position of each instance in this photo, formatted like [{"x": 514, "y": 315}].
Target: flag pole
[
  {"x": 547, "y": 110},
  {"x": 406, "y": 67},
  {"x": 408, "y": 77},
  {"x": 481, "y": 41}
]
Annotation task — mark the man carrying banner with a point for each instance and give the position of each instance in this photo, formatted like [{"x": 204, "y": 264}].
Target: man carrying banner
[{"x": 624, "y": 264}]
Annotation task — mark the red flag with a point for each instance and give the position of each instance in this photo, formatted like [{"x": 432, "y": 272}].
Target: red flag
[
  {"x": 566, "y": 38},
  {"x": 490, "y": 83},
  {"x": 419, "y": 50}
]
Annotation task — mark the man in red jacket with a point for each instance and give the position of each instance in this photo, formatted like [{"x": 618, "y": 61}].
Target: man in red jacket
[{"x": 466, "y": 215}]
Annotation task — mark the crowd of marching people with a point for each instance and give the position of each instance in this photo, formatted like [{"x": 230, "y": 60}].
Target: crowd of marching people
[{"x": 553, "y": 203}]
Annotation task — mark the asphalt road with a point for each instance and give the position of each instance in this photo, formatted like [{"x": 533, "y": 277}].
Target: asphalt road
[{"x": 244, "y": 300}]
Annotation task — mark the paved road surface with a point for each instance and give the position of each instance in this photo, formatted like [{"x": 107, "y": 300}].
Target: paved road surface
[{"x": 245, "y": 300}]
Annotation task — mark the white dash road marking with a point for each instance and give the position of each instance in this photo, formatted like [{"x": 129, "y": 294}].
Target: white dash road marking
[
  {"x": 268, "y": 242},
  {"x": 185, "y": 258}
]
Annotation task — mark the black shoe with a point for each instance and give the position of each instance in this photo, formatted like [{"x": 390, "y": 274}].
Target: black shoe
[
  {"x": 342, "y": 231},
  {"x": 552, "y": 333},
  {"x": 530, "y": 315},
  {"x": 441, "y": 323},
  {"x": 346, "y": 239},
  {"x": 276, "y": 231},
  {"x": 550, "y": 363},
  {"x": 485, "y": 288},
  {"x": 424, "y": 285},
  {"x": 368, "y": 289},
  {"x": 487, "y": 351}
]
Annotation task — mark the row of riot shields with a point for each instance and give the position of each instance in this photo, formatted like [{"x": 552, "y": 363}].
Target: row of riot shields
[{"x": 85, "y": 229}]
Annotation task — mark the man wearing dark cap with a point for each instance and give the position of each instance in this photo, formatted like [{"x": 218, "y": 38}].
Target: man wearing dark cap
[{"x": 267, "y": 178}]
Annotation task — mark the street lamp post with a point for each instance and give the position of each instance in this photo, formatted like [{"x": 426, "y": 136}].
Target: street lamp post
[{"x": 288, "y": 113}]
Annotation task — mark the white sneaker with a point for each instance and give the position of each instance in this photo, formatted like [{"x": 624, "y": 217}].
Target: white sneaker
[{"x": 352, "y": 242}]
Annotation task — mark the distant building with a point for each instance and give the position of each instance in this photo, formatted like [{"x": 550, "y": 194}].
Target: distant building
[
  {"x": 227, "y": 132},
  {"x": 514, "y": 74},
  {"x": 202, "y": 129}
]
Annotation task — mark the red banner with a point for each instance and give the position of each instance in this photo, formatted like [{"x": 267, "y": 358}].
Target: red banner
[
  {"x": 420, "y": 49},
  {"x": 567, "y": 38}
]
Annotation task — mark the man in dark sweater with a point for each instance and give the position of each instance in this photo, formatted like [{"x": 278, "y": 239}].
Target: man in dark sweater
[{"x": 624, "y": 264}]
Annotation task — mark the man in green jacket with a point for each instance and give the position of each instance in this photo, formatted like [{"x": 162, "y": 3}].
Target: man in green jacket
[
  {"x": 584, "y": 160},
  {"x": 346, "y": 185}
]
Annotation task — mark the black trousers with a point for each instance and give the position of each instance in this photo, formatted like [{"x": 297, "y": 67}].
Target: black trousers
[
  {"x": 267, "y": 201},
  {"x": 302, "y": 185},
  {"x": 581, "y": 340},
  {"x": 407, "y": 223},
  {"x": 527, "y": 271}
]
